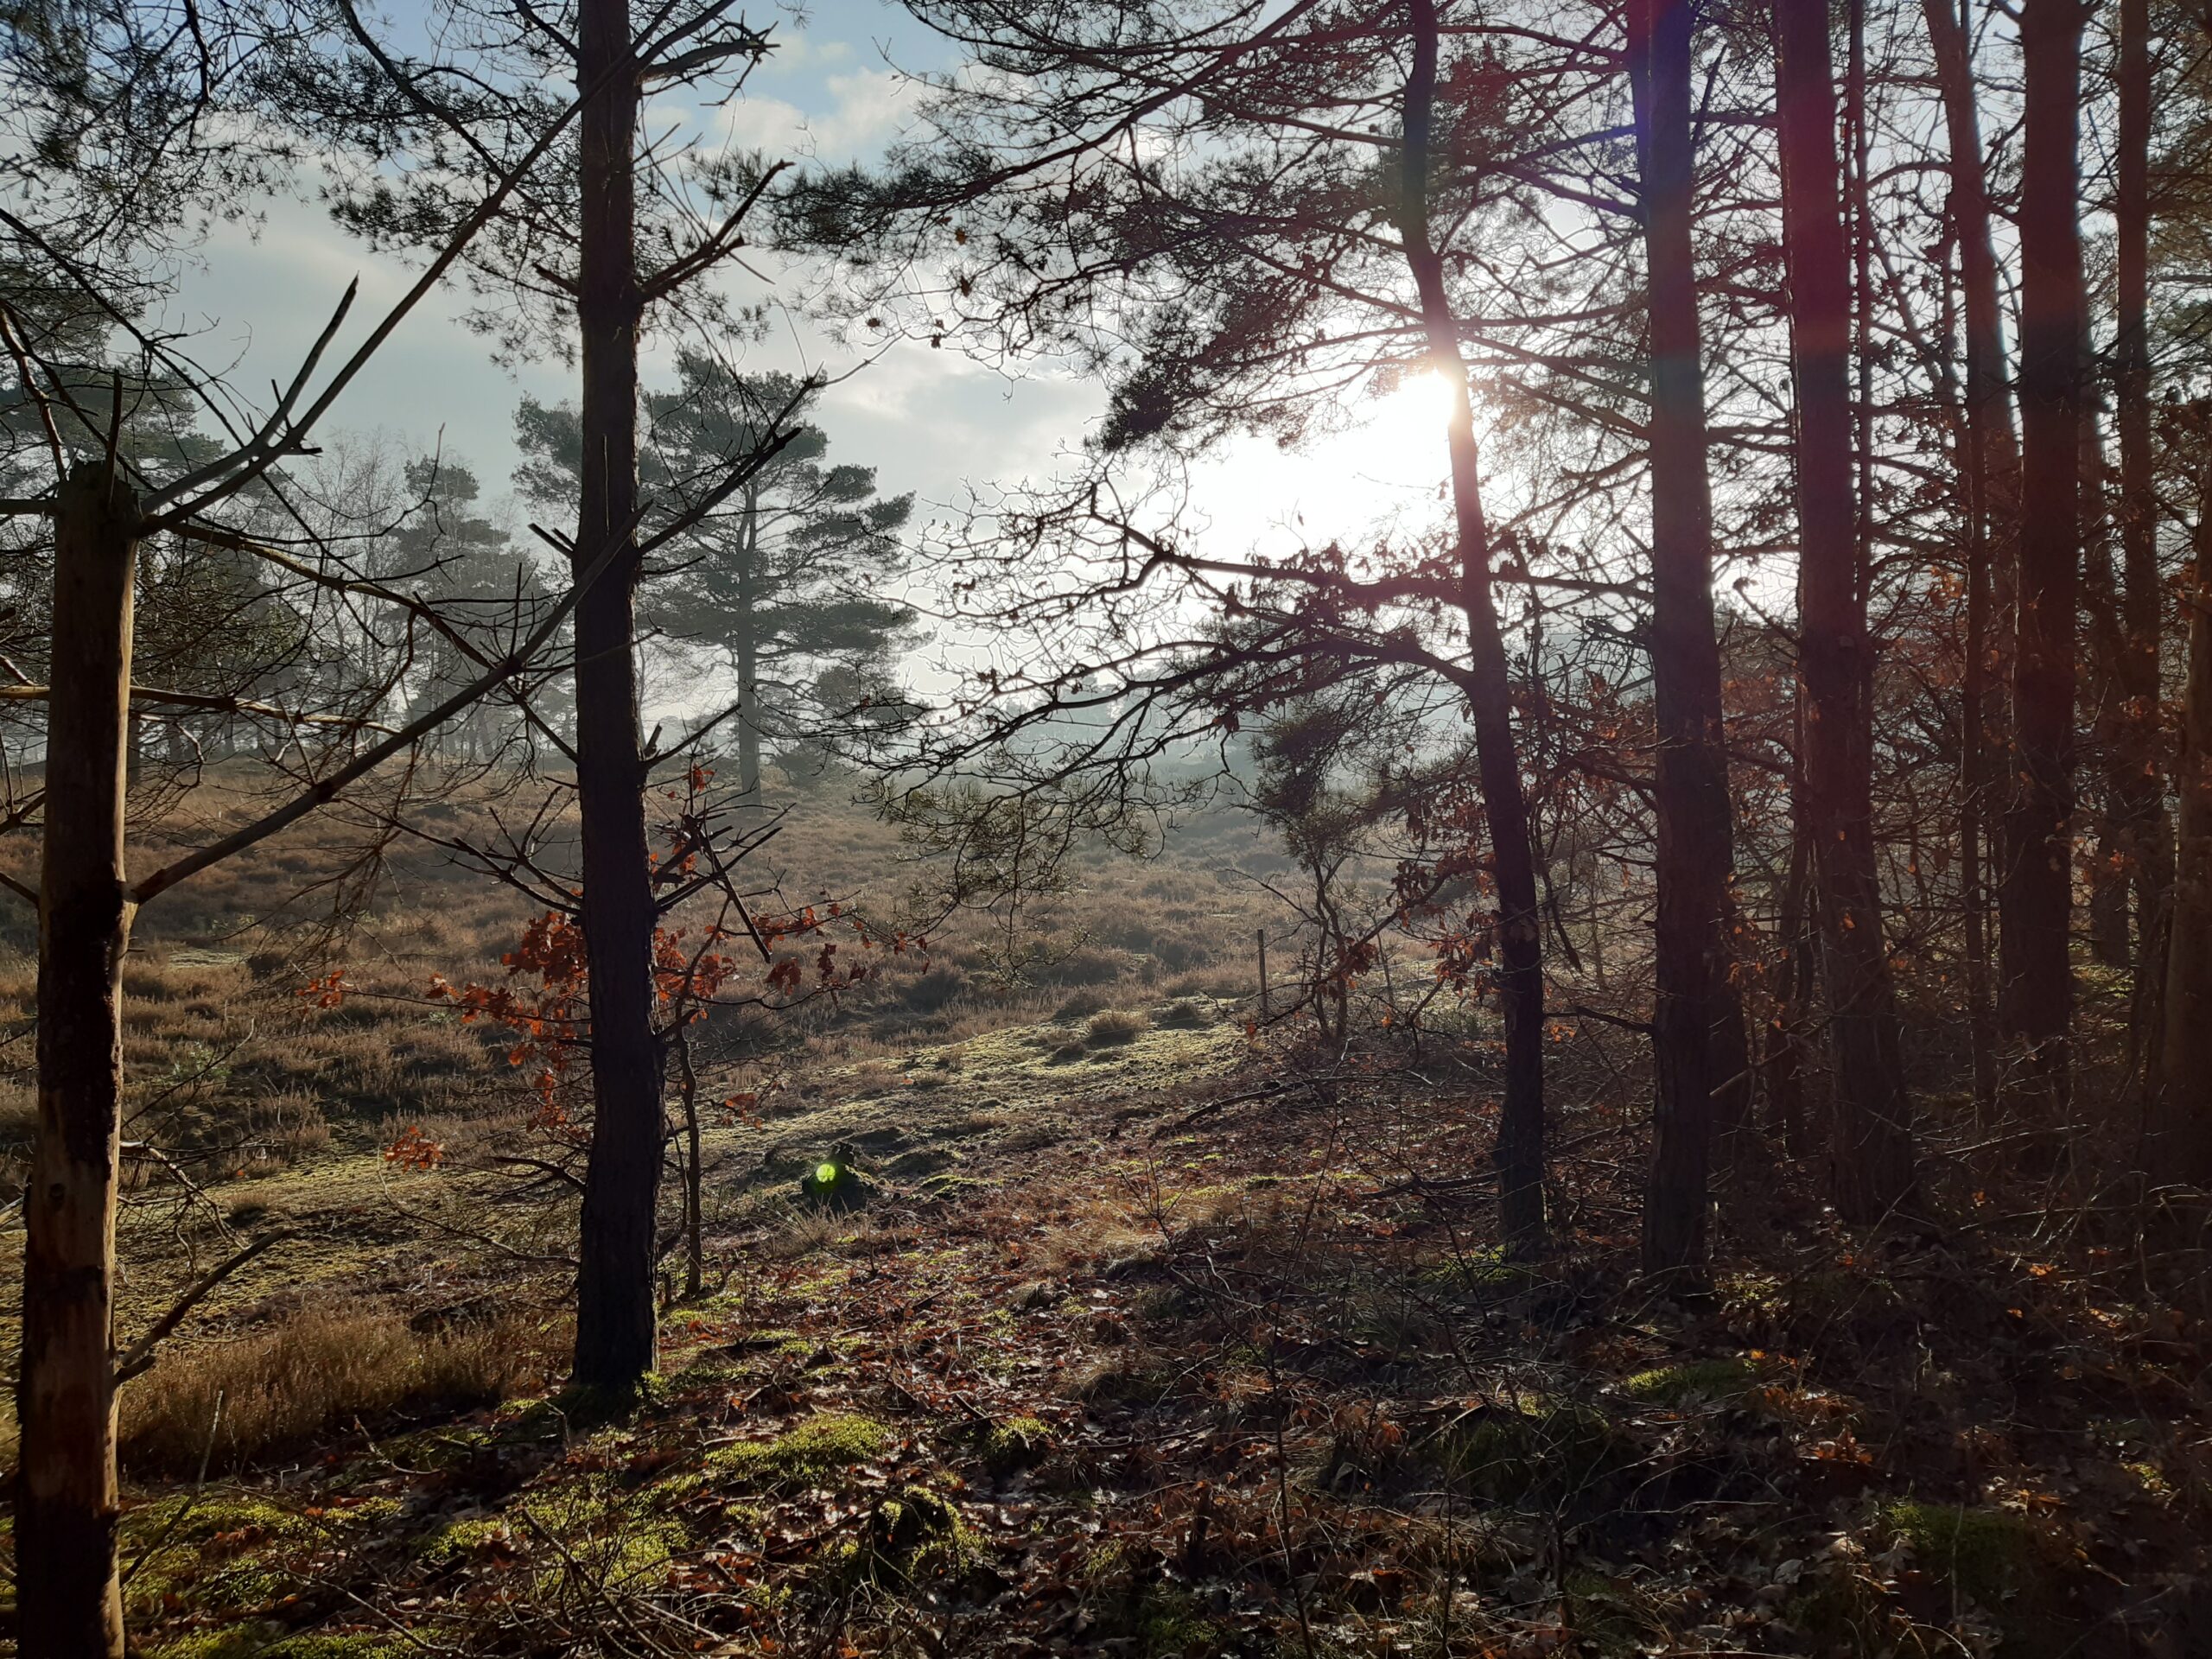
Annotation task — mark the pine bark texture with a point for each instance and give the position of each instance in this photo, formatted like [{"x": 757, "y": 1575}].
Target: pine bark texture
[
  {"x": 1488, "y": 690},
  {"x": 1991, "y": 484},
  {"x": 1870, "y": 1149},
  {"x": 69, "y": 1605},
  {"x": 2185, "y": 1071},
  {"x": 615, "y": 1317},
  {"x": 2147, "y": 840},
  {"x": 2036, "y": 1004},
  {"x": 1691, "y": 783}
]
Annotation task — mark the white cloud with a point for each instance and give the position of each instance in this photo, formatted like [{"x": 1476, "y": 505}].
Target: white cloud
[{"x": 859, "y": 111}]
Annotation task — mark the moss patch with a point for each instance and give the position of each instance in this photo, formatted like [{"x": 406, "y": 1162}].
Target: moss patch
[
  {"x": 819, "y": 1448},
  {"x": 913, "y": 1537},
  {"x": 1701, "y": 1379},
  {"x": 1988, "y": 1553},
  {"x": 1013, "y": 1444},
  {"x": 257, "y": 1640}
]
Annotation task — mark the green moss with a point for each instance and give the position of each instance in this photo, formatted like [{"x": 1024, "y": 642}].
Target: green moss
[
  {"x": 228, "y": 1553},
  {"x": 1989, "y": 1554},
  {"x": 185, "y": 1519},
  {"x": 818, "y": 1447},
  {"x": 1160, "y": 1621},
  {"x": 2152, "y": 1479},
  {"x": 1474, "y": 1270},
  {"x": 1701, "y": 1379},
  {"x": 1561, "y": 1454},
  {"x": 260, "y": 1641},
  {"x": 911, "y": 1538},
  {"x": 459, "y": 1539},
  {"x": 1013, "y": 1444}
]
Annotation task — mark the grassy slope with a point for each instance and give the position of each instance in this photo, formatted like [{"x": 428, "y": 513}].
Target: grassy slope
[{"x": 1089, "y": 1373}]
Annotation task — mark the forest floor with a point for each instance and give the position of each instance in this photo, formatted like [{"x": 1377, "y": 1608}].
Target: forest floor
[
  {"x": 1144, "y": 1337},
  {"x": 1095, "y": 1367}
]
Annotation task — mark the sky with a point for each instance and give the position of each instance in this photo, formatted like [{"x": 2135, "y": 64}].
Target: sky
[{"x": 933, "y": 422}]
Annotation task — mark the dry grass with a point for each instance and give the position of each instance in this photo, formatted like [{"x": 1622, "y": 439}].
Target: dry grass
[
  {"x": 292, "y": 1387},
  {"x": 1114, "y": 1026}
]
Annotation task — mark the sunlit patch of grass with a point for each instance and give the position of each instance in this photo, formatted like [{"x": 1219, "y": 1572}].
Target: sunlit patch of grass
[
  {"x": 1698, "y": 1379},
  {"x": 229, "y": 1403},
  {"x": 817, "y": 1449},
  {"x": 256, "y": 1640}
]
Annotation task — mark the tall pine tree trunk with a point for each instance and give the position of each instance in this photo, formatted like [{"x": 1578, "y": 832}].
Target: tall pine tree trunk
[
  {"x": 2185, "y": 1069},
  {"x": 2036, "y": 1004},
  {"x": 1488, "y": 692},
  {"x": 69, "y": 1605},
  {"x": 1992, "y": 483},
  {"x": 1691, "y": 785},
  {"x": 2149, "y": 835},
  {"x": 614, "y": 1284},
  {"x": 1870, "y": 1149}
]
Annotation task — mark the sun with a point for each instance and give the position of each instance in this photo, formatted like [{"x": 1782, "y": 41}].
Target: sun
[
  {"x": 1398, "y": 439},
  {"x": 1425, "y": 396}
]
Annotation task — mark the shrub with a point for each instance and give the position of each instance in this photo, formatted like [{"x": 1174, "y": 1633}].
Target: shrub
[
  {"x": 1113, "y": 1026},
  {"x": 929, "y": 992},
  {"x": 290, "y": 1386},
  {"x": 1081, "y": 1006},
  {"x": 1084, "y": 965}
]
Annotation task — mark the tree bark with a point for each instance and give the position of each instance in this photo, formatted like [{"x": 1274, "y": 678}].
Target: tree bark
[
  {"x": 69, "y": 1605},
  {"x": 749, "y": 651},
  {"x": 1488, "y": 692},
  {"x": 2184, "y": 1115},
  {"x": 2149, "y": 836},
  {"x": 1784, "y": 1058},
  {"x": 2102, "y": 701},
  {"x": 1691, "y": 783},
  {"x": 1869, "y": 1150},
  {"x": 1992, "y": 485},
  {"x": 2037, "y": 1002},
  {"x": 615, "y": 1317}
]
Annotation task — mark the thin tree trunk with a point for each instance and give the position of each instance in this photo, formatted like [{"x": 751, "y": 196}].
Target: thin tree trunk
[
  {"x": 695, "y": 1173},
  {"x": 1785, "y": 1064},
  {"x": 1870, "y": 1151},
  {"x": 1992, "y": 491},
  {"x": 615, "y": 1321},
  {"x": 2102, "y": 710},
  {"x": 1691, "y": 784},
  {"x": 2185, "y": 1105},
  {"x": 69, "y": 1605},
  {"x": 749, "y": 651},
  {"x": 2150, "y": 836},
  {"x": 1488, "y": 691},
  {"x": 2038, "y": 995}
]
